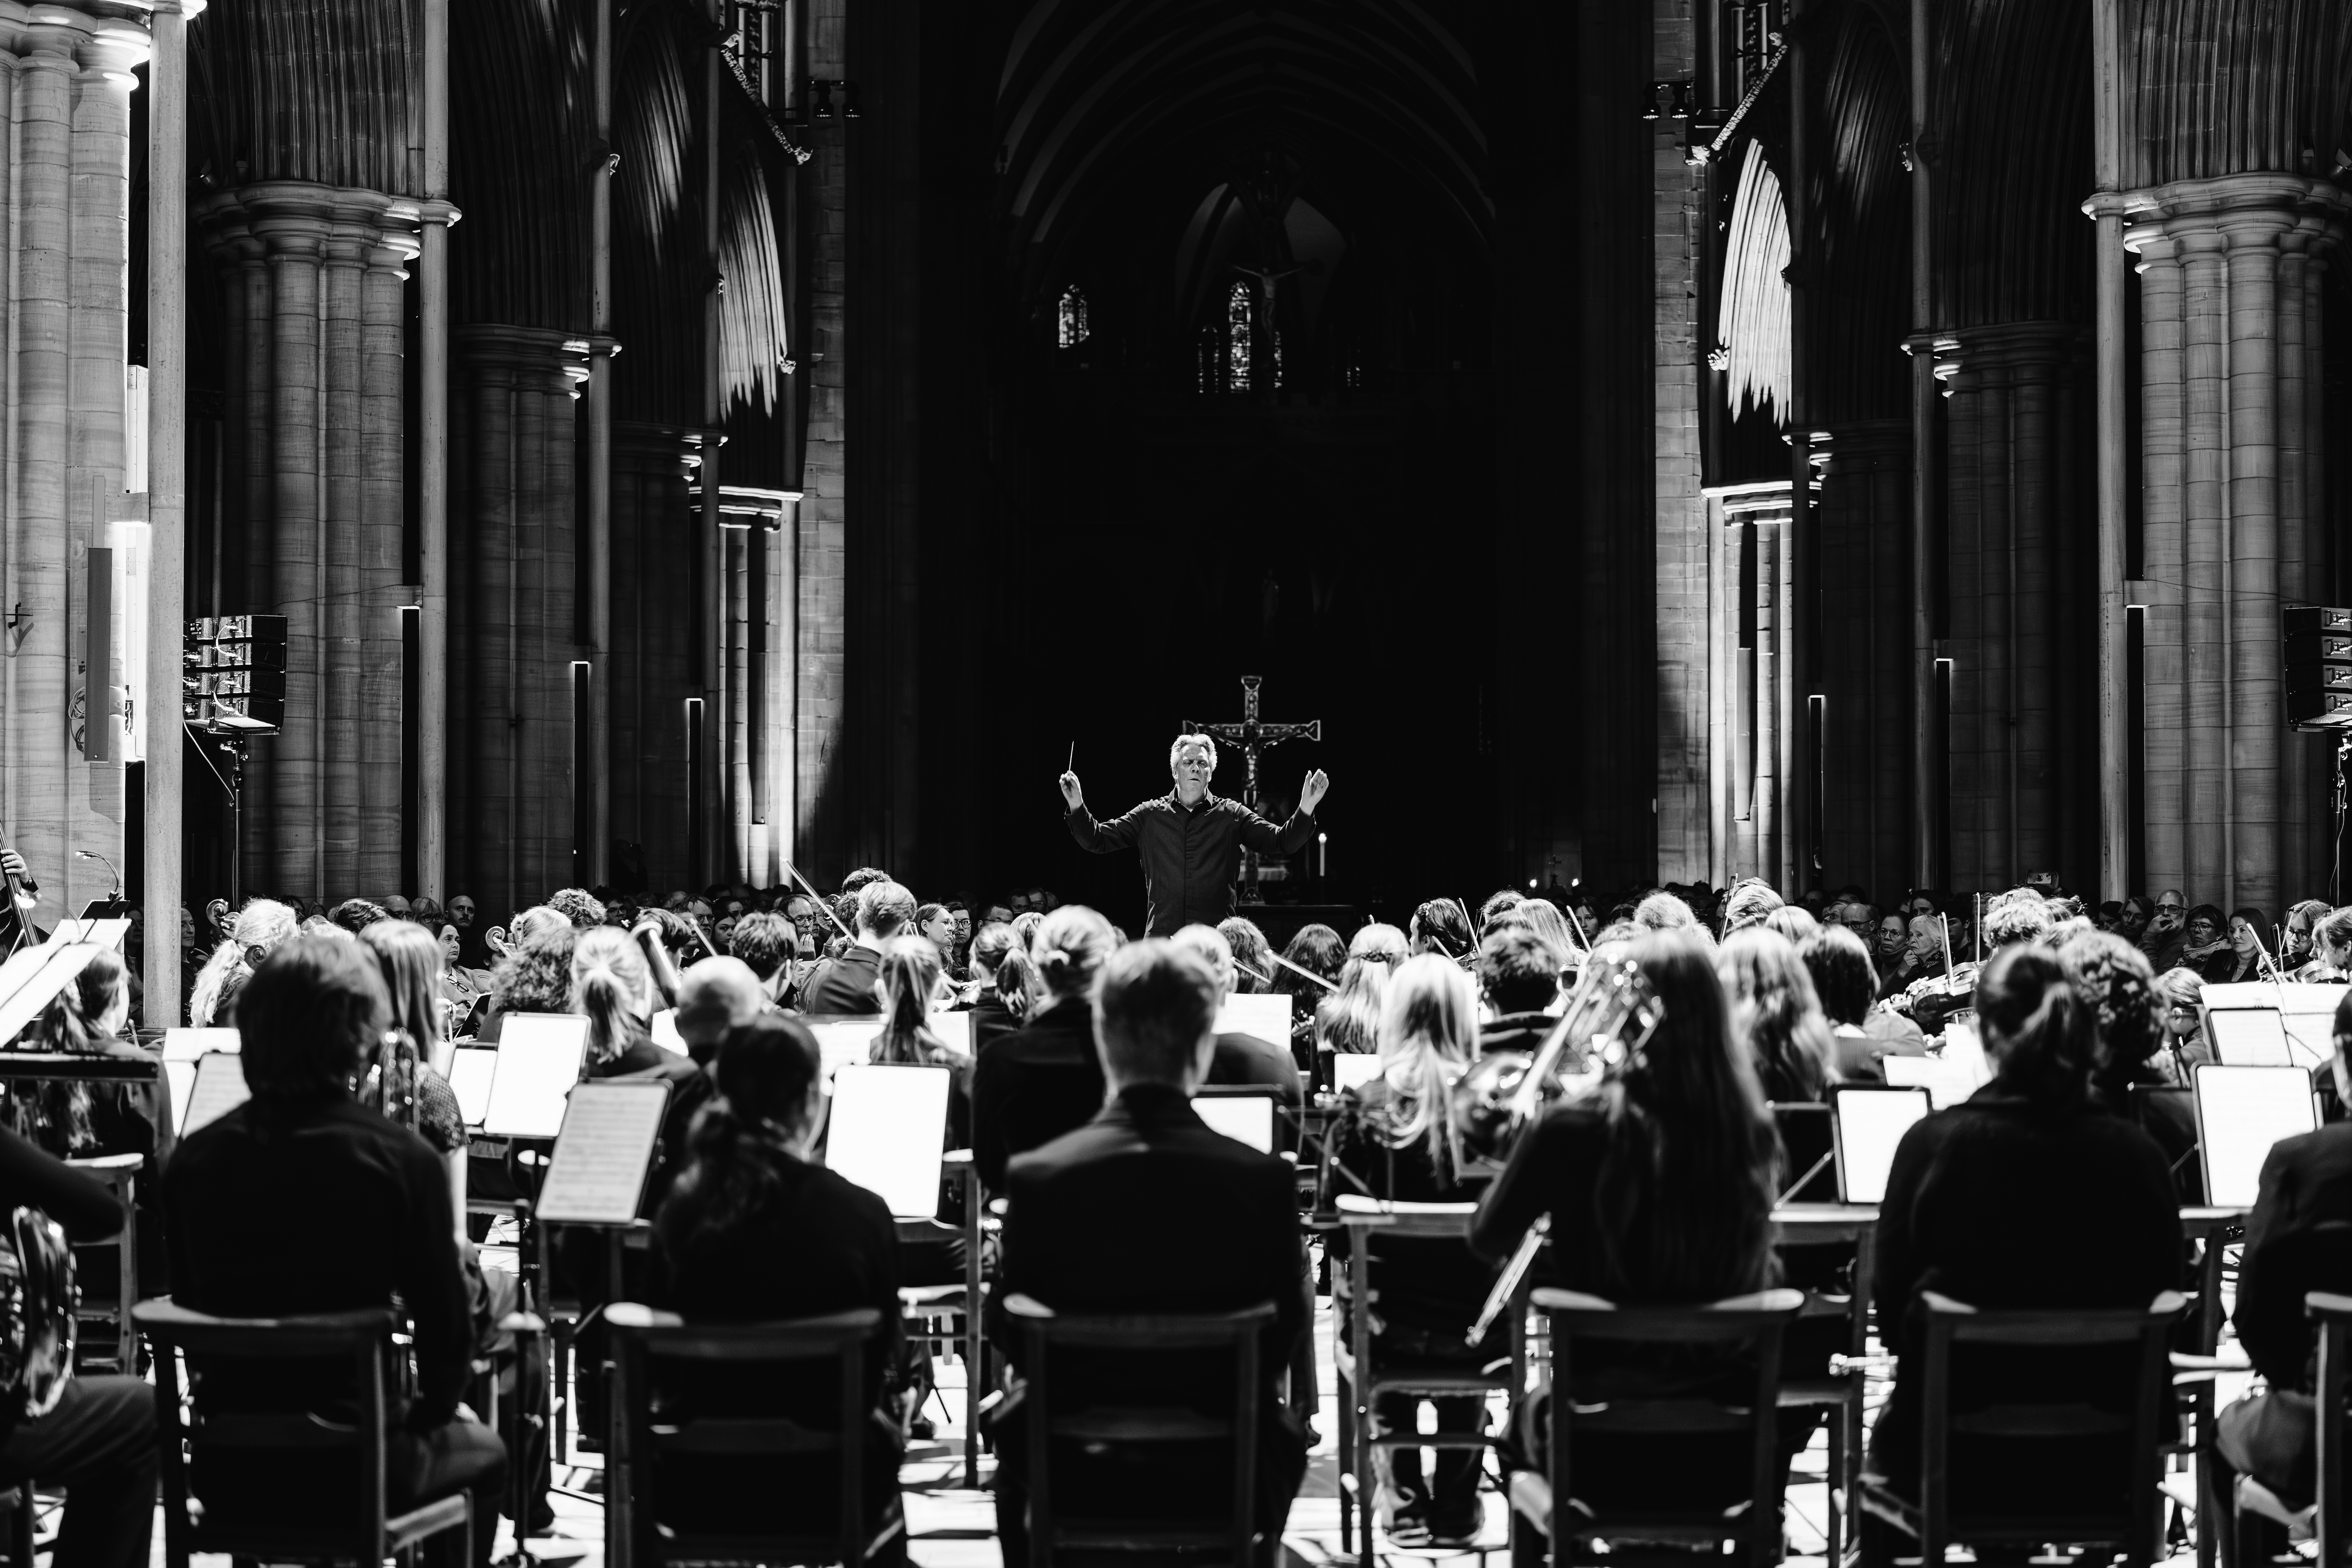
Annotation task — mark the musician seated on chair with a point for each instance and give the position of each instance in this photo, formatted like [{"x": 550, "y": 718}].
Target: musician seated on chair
[
  {"x": 2030, "y": 1195},
  {"x": 1045, "y": 1078},
  {"x": 1240, "y": 1058},
  {"x": 1394, "y": 1139},
  {"x": 851, "y": 984},
  {"x": 714, "y": 997},
  {"x": 1660, "y": 1187},
  {"x": 2298, "y": 1240},
  {"x": 1144, "y": 1209},
  {"x": 1518, "y": 979},
  {"x": 754, "y": 1229},
  {"x": 1847, "y": 982},
  {"x": 302, "y": 1200}
]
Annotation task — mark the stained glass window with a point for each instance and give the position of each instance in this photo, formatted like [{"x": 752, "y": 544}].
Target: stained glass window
[
  {"x": 1237, "y": 338},
  {"x": 1070, "y": 325}
]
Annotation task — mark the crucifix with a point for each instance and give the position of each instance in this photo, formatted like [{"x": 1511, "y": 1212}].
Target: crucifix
[{"x": 1253, "y": 735}]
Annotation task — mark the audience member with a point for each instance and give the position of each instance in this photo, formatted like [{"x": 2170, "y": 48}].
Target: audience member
[{"x": 2240, "y": 957}]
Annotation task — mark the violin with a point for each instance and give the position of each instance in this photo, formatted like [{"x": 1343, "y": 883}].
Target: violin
[{"x": 1611, "y": 1015}]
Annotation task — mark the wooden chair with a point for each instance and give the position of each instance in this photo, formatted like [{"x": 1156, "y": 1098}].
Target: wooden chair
[
  {"x": 1045, "y": 1335},
  {"x": 119, "y": 1173},
  {"x": 1748, "y": 1326},
  {"x": 643, "y": 1340},
  {"x": 1838, "y": 1391},
  {"x": 266, "y": 1439},
  {"x": 20, "y": 1508},
  {"x": 1934, "y": 1521},
  {"x": 1363, "y": 1379},
  {"x": 2333, "y": 1313}
]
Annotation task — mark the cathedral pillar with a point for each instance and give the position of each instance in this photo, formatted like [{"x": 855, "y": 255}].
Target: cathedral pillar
[
  {"x": 513, "y": 638},
  {"x": 318, "y": 271},
  {"x": 1865, "y": 633},
  {"x": 2006, "y": 507},
  {"x": 651, "y": 664},
  {"x": 2230, "y": 320},
  {"x": 65, "y": 85},
  {"x": 1748, "y": 567}
]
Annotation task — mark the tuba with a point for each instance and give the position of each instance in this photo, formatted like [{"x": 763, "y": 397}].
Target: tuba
[
  {"x": 39, "y": 1302},
  {"x": 1611, "y": 1015}
]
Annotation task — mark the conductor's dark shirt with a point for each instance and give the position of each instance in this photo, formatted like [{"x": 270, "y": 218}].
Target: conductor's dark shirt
[{"x": 1189, "y": 854}]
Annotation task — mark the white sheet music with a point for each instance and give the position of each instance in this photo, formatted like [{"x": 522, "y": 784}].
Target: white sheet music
[
  {"x": 888, "y": 1130},
  {"x": 104, "y": 932},
  {"x": 1244, "y": 1118},
  {"x": 472, "y": 1072},
  {"x": 182, "y": 1077},
  {"x": 1867, "y": 1125},
  {"x": 2248, "y": 1037},
  {"x": 663, "y": 1026},
  {"x": 1267, "y": 1015},
  {"x": 1351, "y": 1069},
  {"x": 187, "y": 1044},
  {"x": 845, "y": 1043},
  {"x": 597, "y": 1172},
  {"x": 954, "y": 1030},
  {"x": 219, "y": 1090},
  {"x": 539, "y": 1061},
  {"x": 1948, "y": 1083},
  {"x": 60, "y": 966},
  {"x": 2241, "y": 1113}
]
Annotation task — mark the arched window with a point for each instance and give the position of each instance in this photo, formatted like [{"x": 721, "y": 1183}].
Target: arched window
[
  {"x": 1070, "y": 323},
  {"x": 1238, "y": 343}
]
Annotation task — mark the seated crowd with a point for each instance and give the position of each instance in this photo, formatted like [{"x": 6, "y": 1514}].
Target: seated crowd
[{"x": 1656, "y": 1178}]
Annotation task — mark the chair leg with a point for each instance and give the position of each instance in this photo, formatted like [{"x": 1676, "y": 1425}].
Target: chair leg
[
  {"x": 1833, "y": 1515},
  {"x": 1347, "y": 1460},
  {"x": 24, "y": 1528}
]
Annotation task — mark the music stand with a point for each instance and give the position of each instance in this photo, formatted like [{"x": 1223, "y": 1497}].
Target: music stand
[
  {"x": 1243, "y": 1112},
  {"x": 1264, "y": 1016},
  {"x": 1868, "y": 1121},
  {"x": 219, "y": 1089},
  {"x": 2242, "y": 1111},
  {"x": 540, "y": 1055},
  {"x": 886, "y": 1133}
]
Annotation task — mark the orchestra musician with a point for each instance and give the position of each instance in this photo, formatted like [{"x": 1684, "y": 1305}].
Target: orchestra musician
[
  {"x": 1240, "y": 1058},
  {"x": 1519, "y": 974},
  {"x": 1046, "y": 1077},
  {"x": 1145, "y": 1209},
  {"x": 302, "y": 1200},
  {"x": 1188, "y": 840},
  {"x": 851, "y": 984}
]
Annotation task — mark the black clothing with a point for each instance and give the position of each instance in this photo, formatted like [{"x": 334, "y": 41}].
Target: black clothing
[
  {"x": 2307, "y": 1185},
  {"x": 1246, "y": 1059},
  {"x": 807, "y": 1243},
  {"x": 689, "y": 1092},
  {"x": 1033, "y": 1085},
  {"x": 991, "y": 1020},
  {"x": 2003, "y": 1202},
  {"x": 845, "y": 985},
  {"x": 1145, "y": 1209},
  {"x": 325, "y": 1207},
  {"x": 1520, "y": 1032},
  {"x": 30, "y": 1178},
  {"x": 100, "y": 1444},
  {"x": 1189, "y": 854}
]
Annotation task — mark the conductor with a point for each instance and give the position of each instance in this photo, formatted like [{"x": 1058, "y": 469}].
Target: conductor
[{"x": 1188, "y": 840}]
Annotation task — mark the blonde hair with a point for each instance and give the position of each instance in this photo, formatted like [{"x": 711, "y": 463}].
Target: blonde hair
[
  {"x": 608, "y": 984},
  {"x": 1348, "y": 1021},
  {"x": 1775, "y": 1005},
  {"x": 1428, "y": 1033},
  {"x": 911, "y": 973},
  {"x": 262, "y": 923},
  {"x": 1070, "y": 947},
  {"x": 410, "y": 957}
]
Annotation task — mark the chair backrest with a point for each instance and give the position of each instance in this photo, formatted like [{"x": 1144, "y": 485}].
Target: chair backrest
[
  {"x": 2333, "y": 1313},
  {"x": 1744, "y": 1329},
  {"x": 644, "y": 1339},
  {"x": 1046, "y": 1333},
  {"x": 1949, "y": 1323},
  {"x": 263, "y": 1439},
  {"x": 1808, "y": 1176}
]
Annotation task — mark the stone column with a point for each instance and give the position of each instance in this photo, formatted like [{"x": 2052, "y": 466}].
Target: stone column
[
  {"x": 652, "y": 667},
  {"x": 2229, "y": 317},
  {"x": 2007, "y": 389},
  {"x": 512, "y": 634},
  {"x": 320, "y": 270},
  {"x": 1865, "y": 651}
]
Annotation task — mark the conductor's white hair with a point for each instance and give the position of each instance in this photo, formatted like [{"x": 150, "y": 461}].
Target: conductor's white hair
[{"x": 1176, "y": 749}]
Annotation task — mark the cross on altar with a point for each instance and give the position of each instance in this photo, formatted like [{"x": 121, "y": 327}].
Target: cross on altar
[{"x": 1253, "y": 735}]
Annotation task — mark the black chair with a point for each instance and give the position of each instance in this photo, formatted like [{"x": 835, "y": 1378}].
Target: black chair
[
  {"x": 646, "y": 1439},
  {"x": 1054, "y": 1527},
  {"x": 2333, "y": 1315},
  {"x": 264, "y": 1440},
  {"x": 1937, "y": 1523},
  {"x": 17, "y": 1504},
  {"x": 1747, "y": 1332}
]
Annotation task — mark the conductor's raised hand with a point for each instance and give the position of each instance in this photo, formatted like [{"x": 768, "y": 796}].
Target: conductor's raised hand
[
  {"x": 1073, "y": 797},
  {"x": 1311, "y": 794}
]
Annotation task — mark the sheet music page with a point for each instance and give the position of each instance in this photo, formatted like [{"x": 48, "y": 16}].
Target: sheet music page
[
  {"x": 219, "y": 1090},
  {"x": 597, "y": 1172},
  {"x": 1267, "y": 1015},
  {"x": 20, "y": 970},
  {"x": 1352, "y": 1069},
  {"x": 1244, "y": 1118},
  {"x": 188, "y": 1044},
  {"x": 888, "y": 1130},
  {"x": 472, "y": 1072},
  {"x": 2241, "y": 1113},
  {"x": 1868, "y": 1126},
  {"x": 60, "y": 968},
  {"x": 842, "y": 1044},
  {"x": 182, "y": 1077},
  {"x": 98, "y": 933},
  {"x": 954, "y": 1030},
  {"x": 539, "y": 1061},
  {"x": 663, "y": 1026},
  {"x": 2249, "y": 1037},
  {"x": 1948, "y": 1083}
]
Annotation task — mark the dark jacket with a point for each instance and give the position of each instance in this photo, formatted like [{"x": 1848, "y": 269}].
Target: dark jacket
[
  {"x": 991, "y": 1020},
  {"x": 689, "y": 1092},
  {"x": 2004, "y": 1202},
  {"x": 369, "y": 1203},
  {"x": 1245, "y": 1058},
  {"x": 2298, "y": 1239},
  {"x": 1520, "y": 1032},
  {"x": 1035, "y": 1085},
  {"x": 1190, "y": 855},
  {"x": 1418, "y": 1282},
  {"x": 33, "y": 1179},
  {"x": 845, "y": 985}
]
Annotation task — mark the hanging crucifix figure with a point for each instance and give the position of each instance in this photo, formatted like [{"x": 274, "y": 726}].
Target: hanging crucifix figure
[{"x": 1188, "y": 840}]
